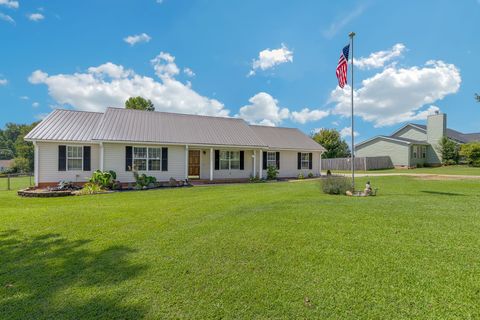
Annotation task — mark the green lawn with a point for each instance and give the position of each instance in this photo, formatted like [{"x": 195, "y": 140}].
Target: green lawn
[
  {"x": 16, "y": 183},
  {"x": 449, "y": 170},
  {"x": 251, "y": 251}
]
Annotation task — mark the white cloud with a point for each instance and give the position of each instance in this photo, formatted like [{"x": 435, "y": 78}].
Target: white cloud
[
  {"x": 306, "y": 115},
  {"x": 9, "y": 4},
  {"x": 24, "y": 97},
  {"x": 341, "y": 22},
  {"x": 159, "y": 1},
  {"x": 263, "y": 109},
  {"x": 189, "y": 72},
  {"x": 138, "y": 38},
  {"x": 164, "y": 65},
  {"x": 268, "y": 59},
  {"x": 6, "y": 17},
  {"x": 3, "y": 82},
  {"x": 397, "y": 95},
  {"x": 35, "y": 16},
  {"x": 347, "y": 132},
  {"x": 35, "y": 104},
  {"x": 109, "y": 85},
  {"x": 41, "y": 116},
  {"x": 380, "y": 58}
]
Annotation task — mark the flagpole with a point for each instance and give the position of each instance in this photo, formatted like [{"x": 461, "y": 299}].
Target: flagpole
[{"x": 351, "y": 35}]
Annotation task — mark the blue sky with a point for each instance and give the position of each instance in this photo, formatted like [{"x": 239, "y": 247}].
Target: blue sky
[{"x": 270, "y": 62}]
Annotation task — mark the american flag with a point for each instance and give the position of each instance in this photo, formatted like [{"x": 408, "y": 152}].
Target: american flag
[{"x": 342, "y": 67}]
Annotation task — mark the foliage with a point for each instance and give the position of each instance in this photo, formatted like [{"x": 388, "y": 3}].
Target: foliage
[
  {"x": 142, "y": 180},
  {"x": 21, "y": 165},
  {"x": 255, "y": 178},
  {"x": 471, "y": 153},
  {"x": 449, "y": 150},
  {"x": 300, "y": 176},
  {"x": 105, "y": 179},
  {"x": 331, "y": 140},
  {"x": 272, "y": 172},
  {"x": 335, "y": 184},
  {"x": 477, "y": 97},
  {"x": 139, "y": 103},
  {"x": 12, "y": 144},
  {"x": 91, "y": 188},
  {"x": 310, "y": 175}
]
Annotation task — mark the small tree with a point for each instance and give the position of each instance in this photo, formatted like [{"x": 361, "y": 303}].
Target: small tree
[
  {"x": 449, "y": 150},
  {"x": 21, "y": 165},
  {"x": 477, "y": 97},
  {"x": 471, "y": 152},
  {"x": 331, "y": 140},
  {"x": 272, "y": 172},
  {"x": 139, "y": 103}
]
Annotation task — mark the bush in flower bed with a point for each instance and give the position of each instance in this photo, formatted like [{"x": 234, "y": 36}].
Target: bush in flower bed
[{"x": 335, "y": 184}]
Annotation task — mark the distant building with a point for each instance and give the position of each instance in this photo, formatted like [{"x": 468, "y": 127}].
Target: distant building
[
  {"x": 5, "y": 165},
  {"x": 414, "y": 144}
]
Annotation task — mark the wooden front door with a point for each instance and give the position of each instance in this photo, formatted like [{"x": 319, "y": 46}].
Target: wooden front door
[{"x": 194, "y": 163}]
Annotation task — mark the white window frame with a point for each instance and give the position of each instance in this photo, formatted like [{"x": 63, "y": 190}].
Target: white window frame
[
  {"x": 146, "y": 158},
  {"x": 74, "y": 158},
  {"x": 228, "y": 157},
  {"x": 302, "y": 161},
  {"x": 415, "y": 152},
  {"x": 271, "y": 162}
]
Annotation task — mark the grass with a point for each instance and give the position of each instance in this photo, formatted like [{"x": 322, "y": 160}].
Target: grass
[
  {"x": 272, "y": 250},
  {"x": 448, "y": 170},
  {"x": 16, "y": 183}
]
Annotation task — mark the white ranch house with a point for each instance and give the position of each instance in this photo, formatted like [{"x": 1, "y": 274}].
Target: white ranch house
[{"x": 70, "y": 145}]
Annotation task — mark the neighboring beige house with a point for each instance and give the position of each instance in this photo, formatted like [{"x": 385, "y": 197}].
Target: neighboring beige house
[
  {"x": 5, "y": 165},
  {"x": 414, "y": 144},
  {"x": 70, "y": 145}
]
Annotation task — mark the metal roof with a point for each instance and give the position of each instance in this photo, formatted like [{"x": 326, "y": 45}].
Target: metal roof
[
  {"x": 397, "y": 139},
  {"x": 66, "y": 125},
  {"x": 285, "y": 138},
  {"x": 174, "y": 128},
  {"x": 454, "y": 134}
]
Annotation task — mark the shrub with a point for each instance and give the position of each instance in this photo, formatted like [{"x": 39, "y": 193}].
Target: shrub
[
  {"x": 254, "y": 179},
  {"x": 143, "y": 181},
  {"x": 272, "y": 173},
  {"x": 335, "y": 185},
  {"x": 419, "y": 165},
  {"x": 449, "y": 162},
  {"x": 90, "y": 188},
  {"x": 310, "y": 175},
  {"x": 105, "y": 179},
  {"x": 471, "y": 152},
  {"x": 300, "y": 176},
  {"x": 449, "y": 150}
]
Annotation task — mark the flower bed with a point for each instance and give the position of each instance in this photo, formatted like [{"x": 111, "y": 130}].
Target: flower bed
[{"x": 43, "y": 193}]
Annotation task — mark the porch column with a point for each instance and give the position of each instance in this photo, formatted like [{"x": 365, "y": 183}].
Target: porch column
[
  {"x": 186, "y": 162},
  {"x": 254, "y": 163},
  {"x": 211, "y": 164},
  {"x": 101, "y": 156},
  {"x": 36, "y": 164},
  {"x": 260, "y": 165},
  {"x": 320, "y": 167}
]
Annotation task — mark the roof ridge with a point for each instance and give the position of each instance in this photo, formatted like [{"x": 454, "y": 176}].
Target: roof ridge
[{"x": 180, "y": 114}]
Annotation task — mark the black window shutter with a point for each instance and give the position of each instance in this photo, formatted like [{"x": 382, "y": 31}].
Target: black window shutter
[
  {"x": 87, "y": 151},
  {"x": 164, "y": 159},
  {"x": 299, "y": 161},
  {"x": 277, "y": 159},
  {"x": 310, "y": 156},
  {"x": 242, "y": 160},
  {"x": 128, "y": 158},
  {"x": 62, "y": 158},
  {"x": 217, "y": 159},
  {"x": 264, "y": 160}
]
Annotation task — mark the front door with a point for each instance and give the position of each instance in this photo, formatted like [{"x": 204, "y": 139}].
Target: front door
[{"x": 194, "y": 163}]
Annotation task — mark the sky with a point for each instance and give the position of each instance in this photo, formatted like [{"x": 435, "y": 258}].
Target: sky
[{"x": 268, "y": 62}]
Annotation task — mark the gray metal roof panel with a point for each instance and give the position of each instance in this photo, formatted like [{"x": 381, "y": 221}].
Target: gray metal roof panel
[
  {"x": 285, "y": 138},
  {"x": 163, "y": 127},
  {"x": 66, "y": 125}
]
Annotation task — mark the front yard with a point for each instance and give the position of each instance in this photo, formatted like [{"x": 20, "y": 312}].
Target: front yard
[{"x": 272, "y": 250}]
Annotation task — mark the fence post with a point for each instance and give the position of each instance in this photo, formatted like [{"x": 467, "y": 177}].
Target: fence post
[
  {"x": 8, "y": 181},
  {"x": 30, "y": 179}
]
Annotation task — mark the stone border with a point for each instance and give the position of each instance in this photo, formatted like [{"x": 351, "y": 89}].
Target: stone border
[{"x": 33, "y": 193}]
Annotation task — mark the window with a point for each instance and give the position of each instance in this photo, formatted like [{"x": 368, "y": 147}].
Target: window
[
  {"x": 154, "y": 159},
  {"x": 74, "y": 158},
  {"x": 305, "y": 161},
  {"x": 143, "y": 156},
  {"x": 229, "y": 160},
  {"x": 424, "y": 152},
  {"x": 271, "y": 159},
  {"x": 414, "y": 148}
]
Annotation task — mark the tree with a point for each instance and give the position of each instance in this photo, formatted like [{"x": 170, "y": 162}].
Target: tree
[
  {"x": 139, "y": 103},
  {"x": 331, "y": 140},
  {"x": 477, "y": 97},
  {"x": 449, "y": 151},
  {"x": 21, "y": 165},
  {"x": 471, "y": 152}
]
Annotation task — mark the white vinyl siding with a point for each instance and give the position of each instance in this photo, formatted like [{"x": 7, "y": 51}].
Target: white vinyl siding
[
  {"x": 48, "y": 163},
  {"x": 398, "y": 152},
  {"x": 114, "y": 159}
]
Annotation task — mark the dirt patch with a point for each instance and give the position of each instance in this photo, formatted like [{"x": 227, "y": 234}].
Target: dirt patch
[{"x": 443, "y": 177}]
